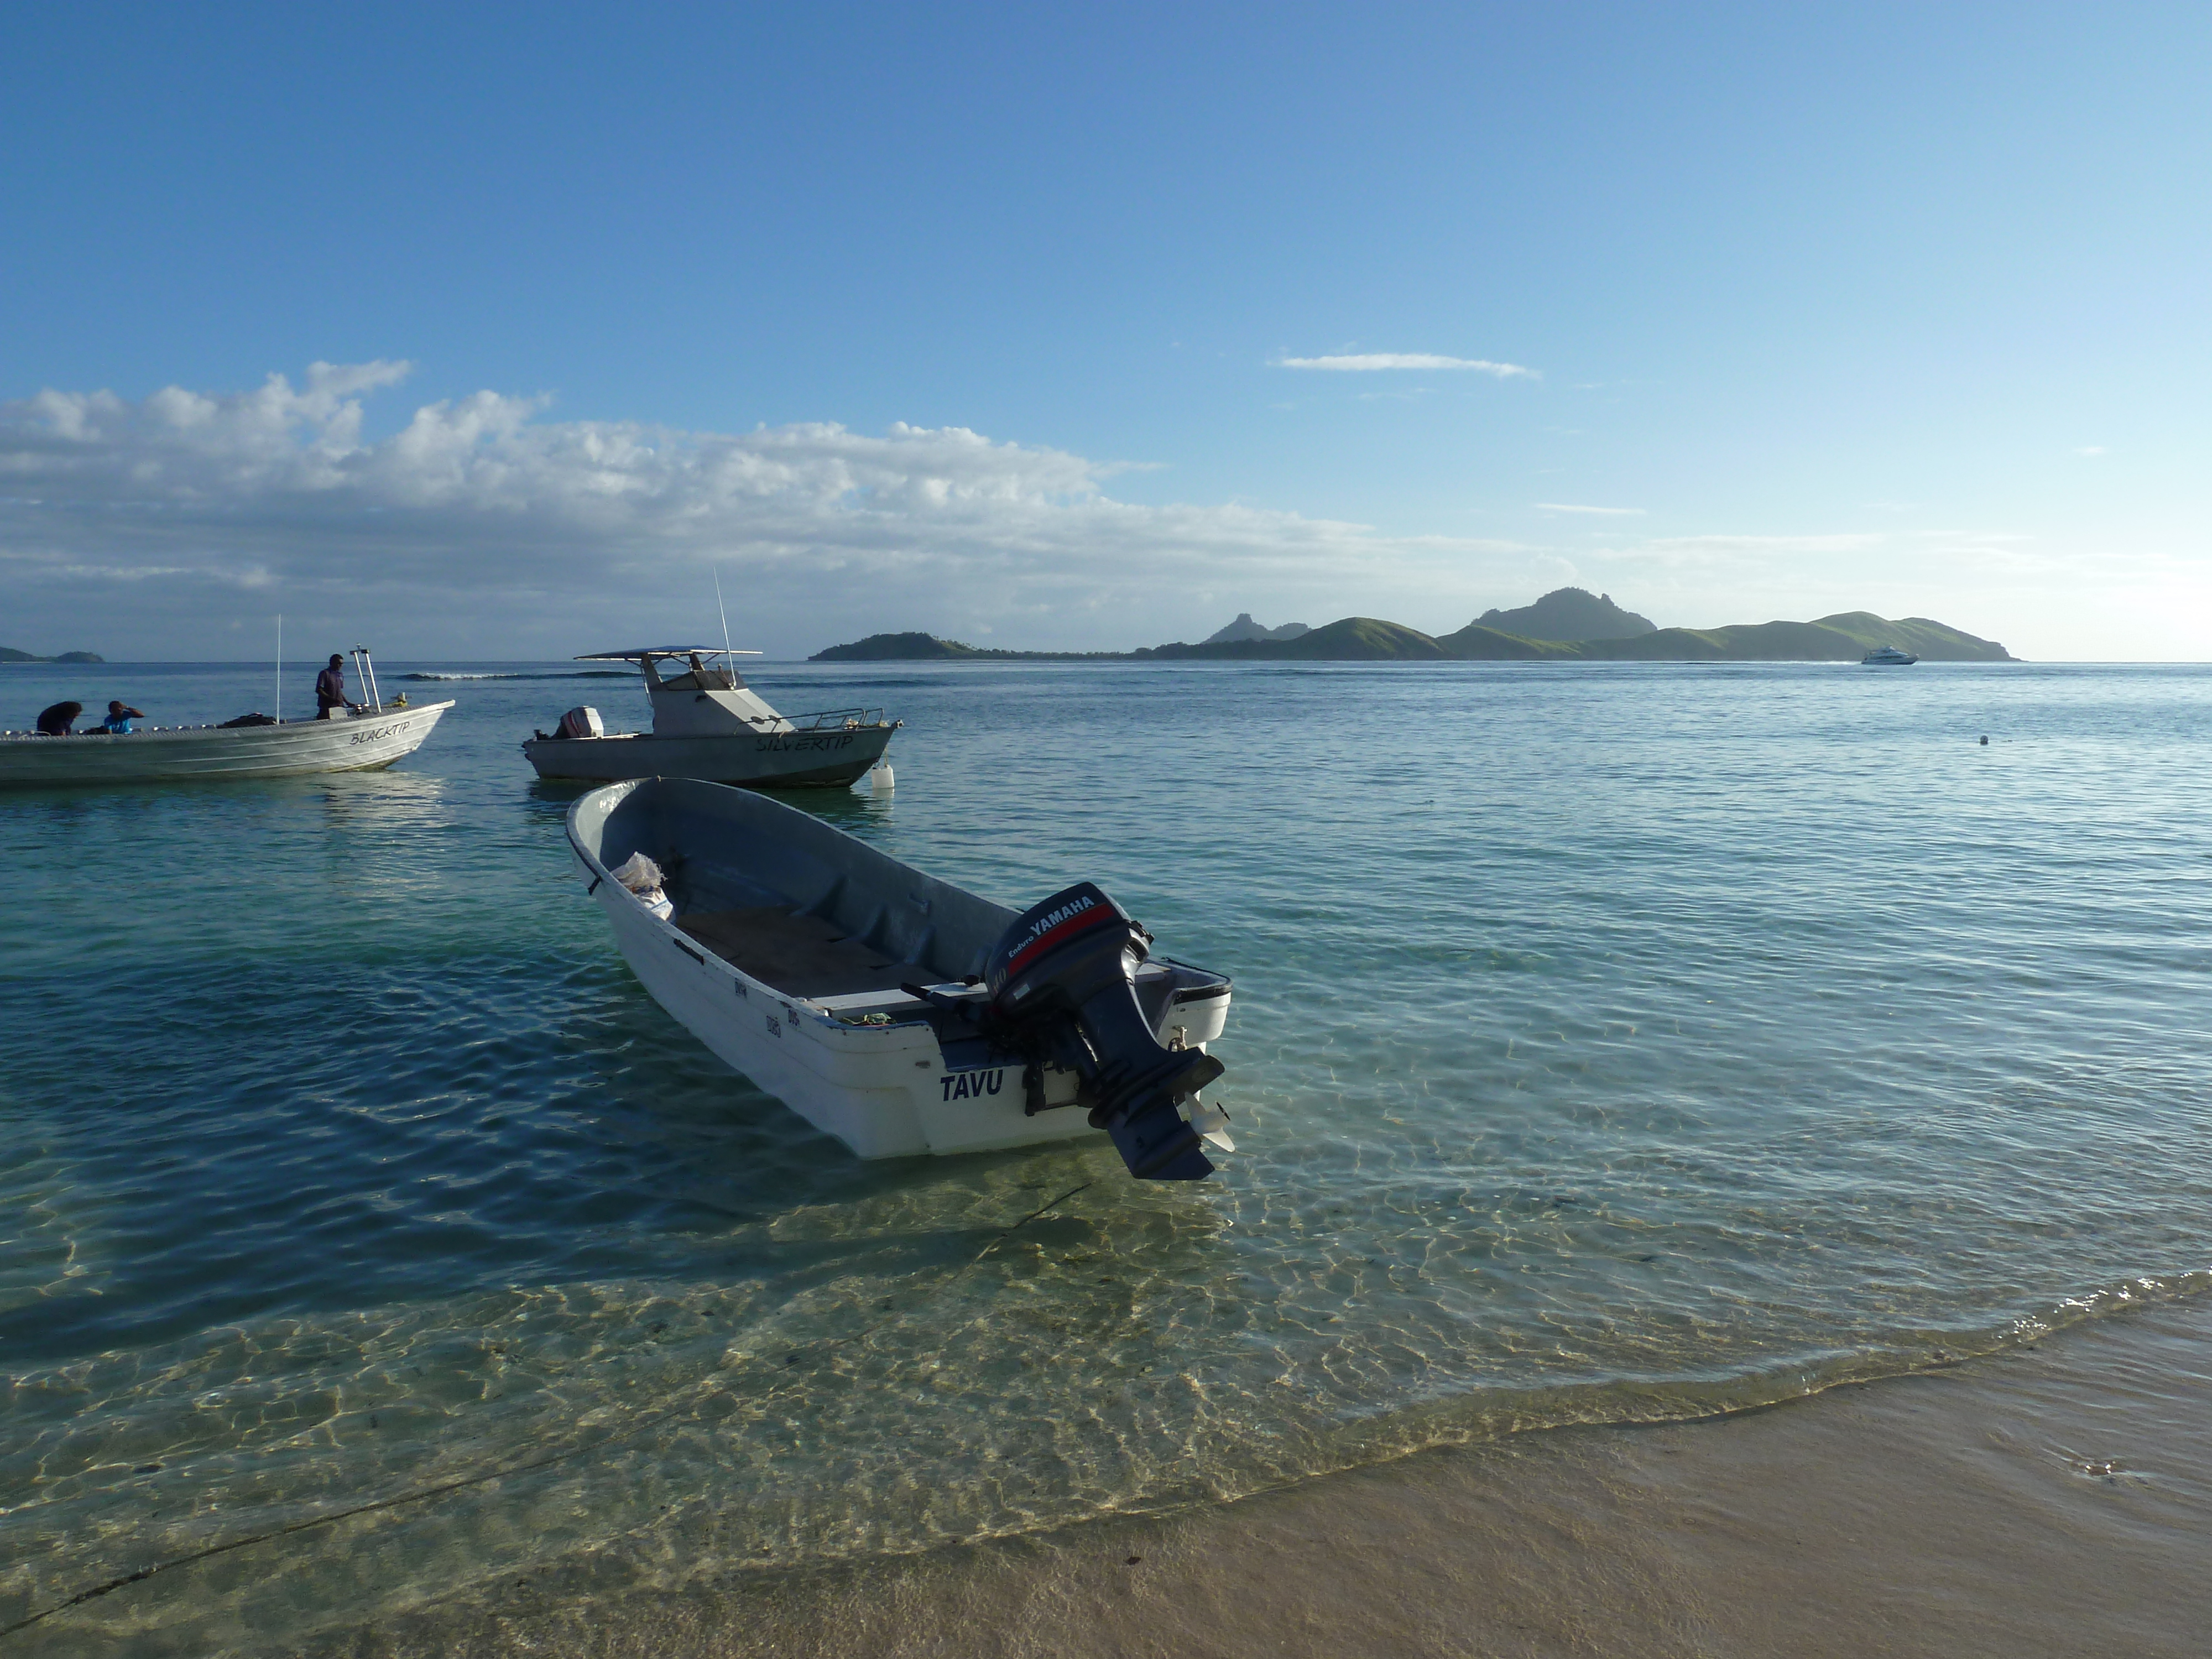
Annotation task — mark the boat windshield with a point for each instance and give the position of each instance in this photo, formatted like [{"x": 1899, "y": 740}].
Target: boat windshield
[
  {"x": 694, "y": 673},
  {"x": 682, "y": 667}
]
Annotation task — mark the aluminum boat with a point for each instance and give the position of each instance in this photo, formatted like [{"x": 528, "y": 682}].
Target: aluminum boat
[
  {"x": 707, "y": 723},
  {"x": 895, "y": 1011},
  {"x": 353, "y": 740}
]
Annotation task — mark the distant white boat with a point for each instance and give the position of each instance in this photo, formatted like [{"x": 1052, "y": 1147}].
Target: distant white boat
[
  {"x": 896, "y": 1012},
  {"x": 363, "y": 740},
  {"x": 1887, "y": 656},
  {"x": 708, "y": 724}
]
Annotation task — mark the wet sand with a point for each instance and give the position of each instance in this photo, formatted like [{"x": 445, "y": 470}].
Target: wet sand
[{"x": 2053, "y": 1500}]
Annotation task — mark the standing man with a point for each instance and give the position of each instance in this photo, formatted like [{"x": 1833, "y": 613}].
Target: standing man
[{"x": 329, "y": 689}]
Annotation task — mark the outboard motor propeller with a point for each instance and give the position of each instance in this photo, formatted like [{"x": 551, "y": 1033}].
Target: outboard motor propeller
[{"x": 1064, "y": 976}]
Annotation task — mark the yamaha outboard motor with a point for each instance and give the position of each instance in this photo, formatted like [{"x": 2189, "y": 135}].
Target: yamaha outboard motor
[{"x": 1063, "y": 976}]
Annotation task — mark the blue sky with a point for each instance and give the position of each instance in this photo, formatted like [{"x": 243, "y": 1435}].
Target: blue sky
[{"x": 990, "y": 320}]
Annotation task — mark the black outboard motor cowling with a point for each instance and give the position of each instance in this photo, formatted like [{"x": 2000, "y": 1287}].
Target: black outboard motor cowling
[{"x": 1064, "y": 976}]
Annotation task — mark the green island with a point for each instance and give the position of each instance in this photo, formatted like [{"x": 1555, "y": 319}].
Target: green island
[
  {"x": 9, "y": 655},
  {"x": 1601, "y": 632}
]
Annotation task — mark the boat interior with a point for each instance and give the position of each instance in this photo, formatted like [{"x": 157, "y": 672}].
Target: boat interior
[
  {"x": 799, "y": 906},
  {"x": 800, "y": 956},
  {"x": 804, "y": 955}
]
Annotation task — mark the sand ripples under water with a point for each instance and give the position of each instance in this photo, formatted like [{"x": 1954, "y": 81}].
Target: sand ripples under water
[{"x": 1612, "y": 1042}]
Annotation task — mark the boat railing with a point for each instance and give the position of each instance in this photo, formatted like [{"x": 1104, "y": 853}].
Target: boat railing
[{"x": 836, "y": 720}]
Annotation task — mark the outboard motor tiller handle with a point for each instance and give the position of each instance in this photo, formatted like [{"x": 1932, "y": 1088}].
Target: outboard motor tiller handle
[{"x": 1067, "y": 970}]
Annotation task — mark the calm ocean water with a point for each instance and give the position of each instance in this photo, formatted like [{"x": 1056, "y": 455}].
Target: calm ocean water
[{"x": 1611, "y": 1042}]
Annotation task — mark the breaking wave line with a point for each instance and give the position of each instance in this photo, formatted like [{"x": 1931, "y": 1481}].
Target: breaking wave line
[{"x": 578, "y": 674}]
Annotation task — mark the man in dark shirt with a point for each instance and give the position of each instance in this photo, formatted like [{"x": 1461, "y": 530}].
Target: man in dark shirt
[
  {"x": 329, "y": 689},
  {"x": 56, "y": 721}
]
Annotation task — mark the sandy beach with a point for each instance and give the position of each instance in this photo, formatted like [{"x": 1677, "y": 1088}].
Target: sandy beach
[{"x": 2056, "y": 1500}]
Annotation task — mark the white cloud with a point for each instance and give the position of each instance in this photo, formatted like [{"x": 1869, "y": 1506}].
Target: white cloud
[
  {"x": 2090, "y": 449},
  {"x": 1606, "y": 512},
  {"x": 1373, "y": 362},
  {"x": 484, "y": 526}
]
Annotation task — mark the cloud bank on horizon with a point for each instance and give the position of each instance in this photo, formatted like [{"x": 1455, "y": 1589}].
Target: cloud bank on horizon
[{"x": 484, "y": 527}]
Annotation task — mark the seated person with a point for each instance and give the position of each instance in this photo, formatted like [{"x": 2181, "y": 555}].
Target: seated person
[
  {"x": 56, "y": 721},
  {"x": 119, "y": 716}
]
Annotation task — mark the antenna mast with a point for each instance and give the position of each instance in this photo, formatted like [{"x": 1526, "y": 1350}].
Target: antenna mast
[
  {"x": 729, "y": 657},
  {"x": 280, "y": 668}
]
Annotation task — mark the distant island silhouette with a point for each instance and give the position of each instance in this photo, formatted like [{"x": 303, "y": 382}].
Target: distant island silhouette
[
  {"x": 8, "y": 655},
  {"x": 1497, "y": 636},
  {"x": 927, "y": 647}
]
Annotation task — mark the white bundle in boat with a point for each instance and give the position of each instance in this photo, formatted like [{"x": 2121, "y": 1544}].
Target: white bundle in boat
[{"x": 642, "y": 876}]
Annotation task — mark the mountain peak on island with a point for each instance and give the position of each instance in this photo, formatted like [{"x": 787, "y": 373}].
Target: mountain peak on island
[
  {"x": 9, "y": 653},
  {"x": 1568, "y": 613},
  {"x": 1245, "y": 628}
]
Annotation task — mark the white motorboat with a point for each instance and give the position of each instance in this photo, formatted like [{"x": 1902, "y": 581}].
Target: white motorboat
[
  {"x": 1887, "y": 656},
  {"x": 707, "y": 723},
  {"x": 353, "y": 740},
  {"x": 898, "y": 1012}
]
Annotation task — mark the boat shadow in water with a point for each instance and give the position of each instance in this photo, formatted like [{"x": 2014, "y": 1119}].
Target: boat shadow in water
[
  {"x": 368, "y": 784},
  {"x": 677, "y": 1125}
]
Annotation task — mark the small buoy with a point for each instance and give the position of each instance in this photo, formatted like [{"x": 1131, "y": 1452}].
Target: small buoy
[
  {"x": 880, "y": 780},
  {"x": 1985, "y": 742}
]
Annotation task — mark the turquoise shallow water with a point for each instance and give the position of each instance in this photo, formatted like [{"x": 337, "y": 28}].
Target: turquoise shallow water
[{"x": 1610, "y": 1042}]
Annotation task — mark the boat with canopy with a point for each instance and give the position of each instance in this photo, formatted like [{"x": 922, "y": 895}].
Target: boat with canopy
[{"x": 708, "y": 724}]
